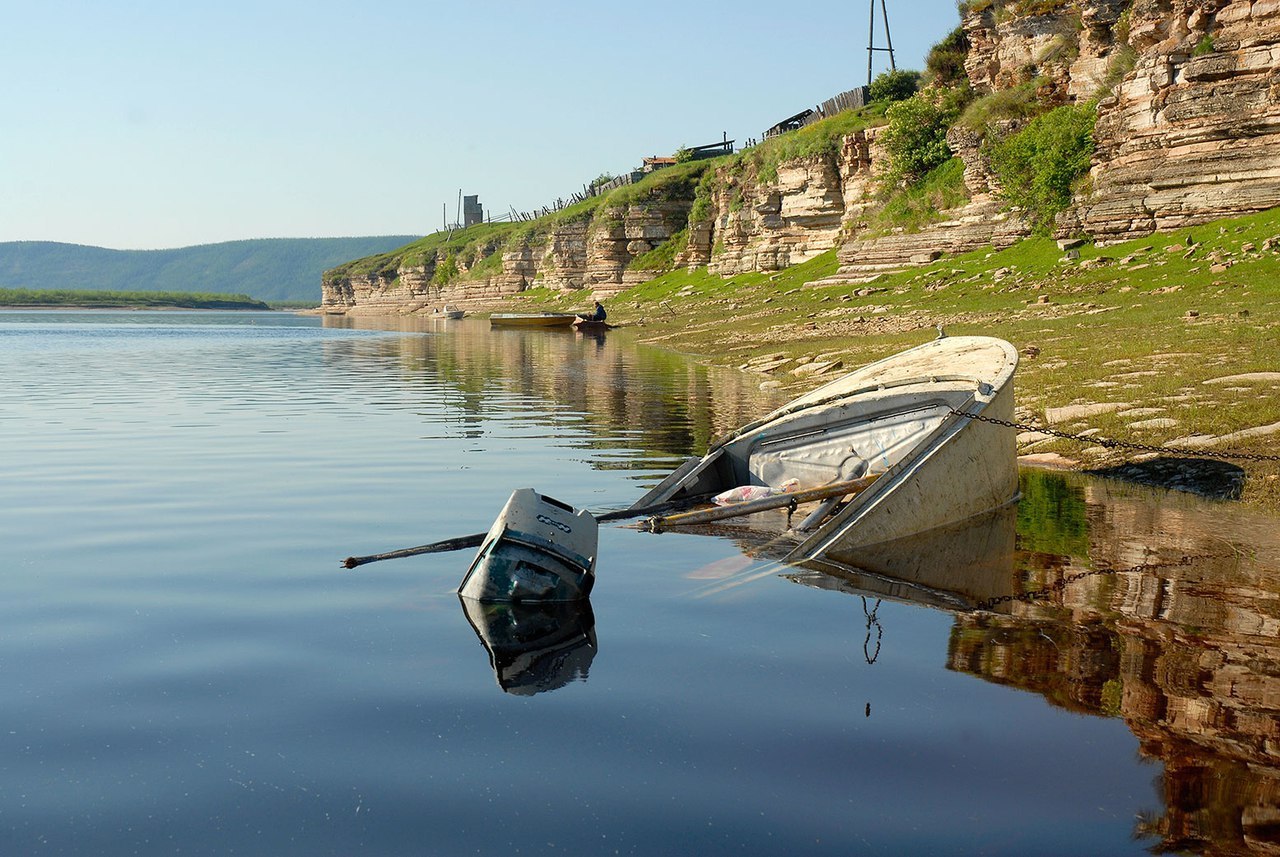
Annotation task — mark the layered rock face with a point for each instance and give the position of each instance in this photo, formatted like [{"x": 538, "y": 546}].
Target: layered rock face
[
  {"x": 1188, "y": 131},
  {"x": 767, "y": 226},
  {"x": 1188, "y": 134},
  {"x": 1193, "y": 132}
]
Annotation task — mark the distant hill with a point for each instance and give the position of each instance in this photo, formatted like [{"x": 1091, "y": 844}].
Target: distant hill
[{"x": 269, "y": 269}]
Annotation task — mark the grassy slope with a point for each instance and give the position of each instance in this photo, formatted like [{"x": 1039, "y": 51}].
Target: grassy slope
[{"x": 1106, "y": 330}]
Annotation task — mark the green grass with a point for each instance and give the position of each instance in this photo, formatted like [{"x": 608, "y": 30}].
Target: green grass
[
  {"x": 1106, "y": 330},
  {"x": 820, "y": 138},
  {"x": 916, "y": 206},
  {"x": 662, "y": 257}
]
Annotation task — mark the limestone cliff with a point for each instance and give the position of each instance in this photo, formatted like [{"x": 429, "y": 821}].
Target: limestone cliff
[{"x": 1188, "y": 130}]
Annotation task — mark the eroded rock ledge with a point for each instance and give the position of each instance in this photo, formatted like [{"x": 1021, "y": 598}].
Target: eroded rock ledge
[{"x": 1188, "y": 131}]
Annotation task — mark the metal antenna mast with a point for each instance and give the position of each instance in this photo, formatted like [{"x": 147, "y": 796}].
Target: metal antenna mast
[{"x": 871, "y": 38}]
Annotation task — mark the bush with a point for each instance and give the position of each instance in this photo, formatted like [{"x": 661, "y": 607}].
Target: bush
[
  {"x": 1018, "y": 102},
  {"x": 1039, "y": 165},
  {"x": 915, "y": 139},
  {"x": 446, "y": 270},
  {"x": 896, "y": 85},
  {"x": 945, "y": 64}
]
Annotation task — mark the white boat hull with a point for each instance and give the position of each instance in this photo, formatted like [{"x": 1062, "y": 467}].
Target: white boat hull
[{"x": 898, "y": 418}]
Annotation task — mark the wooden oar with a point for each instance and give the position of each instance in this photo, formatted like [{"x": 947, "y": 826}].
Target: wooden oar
[
  {"x": 475, "y": 539},
  {"x": 657, "y": 524}
]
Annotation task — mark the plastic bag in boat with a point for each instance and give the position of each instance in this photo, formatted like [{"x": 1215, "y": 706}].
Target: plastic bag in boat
[{"x": 744, "y": 493}]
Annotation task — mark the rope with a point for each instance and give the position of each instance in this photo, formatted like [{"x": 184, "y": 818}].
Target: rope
[{"x": 1227, "y": 455}]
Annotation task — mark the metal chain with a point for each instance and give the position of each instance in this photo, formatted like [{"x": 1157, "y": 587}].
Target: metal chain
[{"x": 1121, "y": 444}]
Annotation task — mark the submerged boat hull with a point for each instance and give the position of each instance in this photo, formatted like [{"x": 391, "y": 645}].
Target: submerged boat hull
[
  {"x": 538, "y": 549},
  {"x": 898, "y": 419}
]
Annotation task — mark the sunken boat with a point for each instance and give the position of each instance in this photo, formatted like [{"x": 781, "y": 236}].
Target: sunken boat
[{"x": 909, "y": 444}]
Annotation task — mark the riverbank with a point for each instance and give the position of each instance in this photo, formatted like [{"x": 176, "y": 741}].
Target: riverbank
[{"x": 1168, "y": 342}]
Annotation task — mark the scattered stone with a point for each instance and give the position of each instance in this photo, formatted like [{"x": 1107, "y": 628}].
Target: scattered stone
[
  {"x": 1248, "y": 247},
  {"x": 770, "y": 385},
  {"x": 817, "y": 367},
  {"x": 1070, "y": 243},
  {"x": 1248, "y": 377},
  {"x": 1054, "y": 416},
  {"x": 1047, "y": 459},
  {"x": 1031, "y": 352},
  {"x": 1072, "y": 255},
  {"x": 1140, "y": 412},
  {"x": 1191, "y": 313},
  {"x": 1160, "y": 423},
  {"x": 1207, "y": 478},
  {"x": 1206, "y": 441}
]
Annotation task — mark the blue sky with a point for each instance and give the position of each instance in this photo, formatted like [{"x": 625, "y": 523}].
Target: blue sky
[{"x": 140, "y": 125}]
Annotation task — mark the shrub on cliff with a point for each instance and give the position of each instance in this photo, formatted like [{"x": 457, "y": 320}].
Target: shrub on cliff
[
  {"x": 896, "y": 85},
  {"x": 945, "y": 64},
  {"x": 915, "y": 139},
  {"x": 1038, "y": 166}
]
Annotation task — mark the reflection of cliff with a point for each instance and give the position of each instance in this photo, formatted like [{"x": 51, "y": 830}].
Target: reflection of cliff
[
  {"x": 672, "y": 406},
  {"x": 1170, "y": 621}
]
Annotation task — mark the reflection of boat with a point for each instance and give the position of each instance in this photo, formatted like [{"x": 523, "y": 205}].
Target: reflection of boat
[
  {"x": 535, "y": 647},
  {"x": 897, "y": 420},
  {"x": 447, "y": 311},
  {"x": 531, "y": 319},
  {"x": 964, "y": 566},
  {"x": 538, "y": 549}
]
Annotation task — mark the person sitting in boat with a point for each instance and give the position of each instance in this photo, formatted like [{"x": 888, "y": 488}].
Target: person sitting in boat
[{"x": 598, "y": 314}]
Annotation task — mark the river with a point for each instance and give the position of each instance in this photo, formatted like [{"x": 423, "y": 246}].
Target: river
[{"x": 188, "y": 669}]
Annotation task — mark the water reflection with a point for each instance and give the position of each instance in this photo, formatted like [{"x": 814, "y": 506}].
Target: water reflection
[
  {"x": 535, "y": 647},
  {"x": 1106, "y": 600},
  {"x": 670, "y": 406},
  {"x": 1114, "y": 601}
]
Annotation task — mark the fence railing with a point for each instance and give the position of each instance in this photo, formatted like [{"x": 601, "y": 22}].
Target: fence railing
[{"x": 851, "y": 99}]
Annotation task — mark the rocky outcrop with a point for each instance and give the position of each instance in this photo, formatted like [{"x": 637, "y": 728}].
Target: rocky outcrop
[
  {"x": 1188, "y": 131},
  {"x": 1192, "y": 133}
]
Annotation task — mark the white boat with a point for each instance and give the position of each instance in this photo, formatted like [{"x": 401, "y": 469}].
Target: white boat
[
  {"x": 538, "y": 549},
  {"x": 447, "y": 311},
  {"x": 532, "y": 319},
  {"x": 886, "y": 448}
]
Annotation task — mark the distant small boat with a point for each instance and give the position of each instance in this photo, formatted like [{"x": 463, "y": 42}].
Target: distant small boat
[
  {"x": 532, "y": 319},
  {"x": 591, "y": 324},
  {"x": 447, "y": 311},
  {"x": 895, "y": 432},
  {"x": 538, "y": 549}
]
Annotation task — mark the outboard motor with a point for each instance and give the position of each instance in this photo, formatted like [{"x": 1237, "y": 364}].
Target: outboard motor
[{"x": 538, "y": 549}]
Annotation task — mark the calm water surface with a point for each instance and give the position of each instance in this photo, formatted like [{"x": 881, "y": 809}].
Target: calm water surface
[{"x": 187, "y": 670}]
